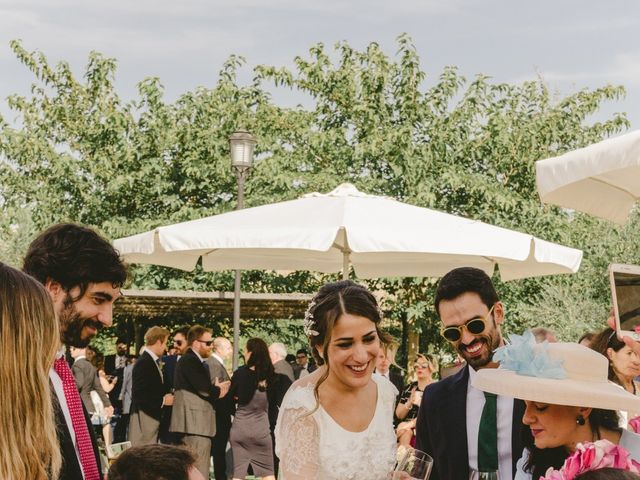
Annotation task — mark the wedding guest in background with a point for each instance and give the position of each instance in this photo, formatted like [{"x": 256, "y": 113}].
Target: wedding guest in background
[
  {"x": 425, "y": 366},
  {"x": 113, "y": 371},
  {"x": 28, "y": 442},
  {"x": 278, "y": 353},
  {"x": 126, "y": 392},
  {"x": 155, "y": 462},
  {"x": 544, "y": 334},
  {"x": 83, "y": 275},
  {"x": 386, "y": 367},
  {"x": 149, "y": 392},
  {"x": 94, "y": 398},
  {"x": 258, "y": 392},
  {"x": 624, "y": 362},
  {"x": 304, "y": 366},
  {"x": 194, "y": 392},
  {"x": 180, "y": 346},
  {"x": 586, "y": 339},
  {"x": 224, "y": 407}
]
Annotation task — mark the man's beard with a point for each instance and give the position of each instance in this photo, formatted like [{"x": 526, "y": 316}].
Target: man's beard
[
  {"x": 71, "y": 325},
  {"x": 491, "y": 342}
]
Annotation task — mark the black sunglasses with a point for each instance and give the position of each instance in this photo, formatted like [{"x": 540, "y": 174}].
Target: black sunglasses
[
  {"x": 475, "y": 326},
  {"x": 177, "y": 342},
  {"x": 206, "y": 342}
]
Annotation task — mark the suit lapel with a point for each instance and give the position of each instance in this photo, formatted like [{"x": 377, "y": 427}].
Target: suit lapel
[
  {"x": 457, "y": 421},
  {"x": 517, "y": 445}
]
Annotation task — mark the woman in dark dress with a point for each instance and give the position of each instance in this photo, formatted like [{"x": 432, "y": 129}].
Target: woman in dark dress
[
  {"x": 258, "y": 392},
  {"x": 425, "y": 367}
]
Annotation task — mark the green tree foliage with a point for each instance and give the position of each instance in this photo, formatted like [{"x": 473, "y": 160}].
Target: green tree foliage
[{"x": 78, "y": 152}]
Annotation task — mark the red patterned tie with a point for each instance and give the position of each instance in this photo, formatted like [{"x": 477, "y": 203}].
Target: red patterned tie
[{"x": 83, "y": 440}]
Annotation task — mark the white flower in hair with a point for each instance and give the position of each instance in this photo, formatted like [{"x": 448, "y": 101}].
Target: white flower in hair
[{"x": 309, "y": 321}]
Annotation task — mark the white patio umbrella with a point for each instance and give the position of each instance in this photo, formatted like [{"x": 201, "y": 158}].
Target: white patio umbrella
[
  {"x": 377, "y": 236},
  {"x": 602, "y": 179}
]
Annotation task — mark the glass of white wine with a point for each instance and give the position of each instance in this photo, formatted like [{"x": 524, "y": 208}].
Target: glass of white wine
[
  {"x": 476, "y": 475},
  {"x": 415, "y": 465}
]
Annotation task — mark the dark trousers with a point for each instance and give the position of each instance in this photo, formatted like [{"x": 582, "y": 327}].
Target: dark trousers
[{"x": 218, "y": 451}]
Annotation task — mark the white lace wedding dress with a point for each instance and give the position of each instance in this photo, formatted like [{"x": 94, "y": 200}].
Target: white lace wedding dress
[{"x": 316, "y": 447}]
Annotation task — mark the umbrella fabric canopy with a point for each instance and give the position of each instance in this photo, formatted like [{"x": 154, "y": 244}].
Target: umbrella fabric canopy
[
  {"x": 378, "y": 236},
  {"x": 602, "y": 179}
]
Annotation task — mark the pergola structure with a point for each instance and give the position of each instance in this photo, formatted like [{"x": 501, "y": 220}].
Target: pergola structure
[
  {"x": 138, "y": 306},
  {"x": 155, "y": 303}
]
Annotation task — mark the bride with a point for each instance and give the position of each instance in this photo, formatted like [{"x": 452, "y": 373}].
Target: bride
[{"x": 337, "y": 423}]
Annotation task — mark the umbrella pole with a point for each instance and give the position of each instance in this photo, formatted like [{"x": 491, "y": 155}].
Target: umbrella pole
[
  {"x": 345, "y": 264},
  {"x": 236, "y": 320}
]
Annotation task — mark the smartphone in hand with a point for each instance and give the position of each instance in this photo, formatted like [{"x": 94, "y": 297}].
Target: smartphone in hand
[{"x": 625, "y": 293}]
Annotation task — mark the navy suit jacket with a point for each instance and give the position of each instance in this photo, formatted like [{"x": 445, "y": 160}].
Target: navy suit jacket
[
  {"x": 441, "y": 428},
  {"x": 147, "y": 387}
]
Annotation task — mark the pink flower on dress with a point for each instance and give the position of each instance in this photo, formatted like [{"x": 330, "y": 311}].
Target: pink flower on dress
[{"x": 592, "y": 456}]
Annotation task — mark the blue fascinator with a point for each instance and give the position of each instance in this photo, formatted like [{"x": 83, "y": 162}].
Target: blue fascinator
[{"x": 526, "y": 357}]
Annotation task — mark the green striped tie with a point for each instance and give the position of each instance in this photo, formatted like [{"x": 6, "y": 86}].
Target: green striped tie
[{"x": 488, "y": 436}]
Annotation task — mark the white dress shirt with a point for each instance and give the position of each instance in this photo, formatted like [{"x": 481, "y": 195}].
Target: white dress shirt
[{"x": 475, "y": 404}]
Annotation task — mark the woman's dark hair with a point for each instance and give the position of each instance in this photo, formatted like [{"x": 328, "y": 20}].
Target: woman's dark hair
[
  {"x": 540, "y": 459},
  {"x": 608, "y": 473},
  {"x": 604, "y": 340},
  {"x": 588, "y": 336},
  {"x": 260, "y": 359},
  {"x": 331, "y": 302}
]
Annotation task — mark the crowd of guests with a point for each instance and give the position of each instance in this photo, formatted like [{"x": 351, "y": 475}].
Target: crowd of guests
[{"x": 551, "y": 410}]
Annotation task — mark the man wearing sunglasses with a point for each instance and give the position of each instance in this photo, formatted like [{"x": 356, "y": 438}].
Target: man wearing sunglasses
[
  {"x": 170, "y": 361},
  {"x": 458, "y": 425},
  {"x": 193, "y": 413}
]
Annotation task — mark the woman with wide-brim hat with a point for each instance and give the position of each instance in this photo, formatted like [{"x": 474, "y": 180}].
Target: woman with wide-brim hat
[{"x": 568, "y": 398}]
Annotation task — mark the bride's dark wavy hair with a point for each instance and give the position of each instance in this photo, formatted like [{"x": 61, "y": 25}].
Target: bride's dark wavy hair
[{"x": 333, "y": 300}]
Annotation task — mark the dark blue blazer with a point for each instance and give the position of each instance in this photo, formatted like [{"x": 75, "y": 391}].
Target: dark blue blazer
[
  {"x": 441, "y": 427},
  {"x": 169, "y": 369}
]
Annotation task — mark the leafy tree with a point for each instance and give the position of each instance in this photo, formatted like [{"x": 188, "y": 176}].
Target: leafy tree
[{"x": 78, "y": 152}]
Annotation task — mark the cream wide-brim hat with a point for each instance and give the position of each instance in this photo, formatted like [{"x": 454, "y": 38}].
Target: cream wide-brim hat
[{"x": 586, "y": 383}]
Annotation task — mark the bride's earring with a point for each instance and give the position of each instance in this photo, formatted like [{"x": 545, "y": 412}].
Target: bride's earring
[{"x": 580, "y": 420}]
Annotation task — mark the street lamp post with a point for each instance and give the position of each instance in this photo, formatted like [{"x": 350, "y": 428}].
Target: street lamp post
[{"x": 242, "y": 144}]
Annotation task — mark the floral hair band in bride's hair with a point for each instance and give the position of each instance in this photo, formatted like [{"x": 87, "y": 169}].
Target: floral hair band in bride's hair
[{"x": 309, "y": 322}]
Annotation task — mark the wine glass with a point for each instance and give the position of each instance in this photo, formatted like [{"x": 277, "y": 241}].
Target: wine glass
[
  {"x": 415, "y": 465},
  {"x": 487, "y": 475}
]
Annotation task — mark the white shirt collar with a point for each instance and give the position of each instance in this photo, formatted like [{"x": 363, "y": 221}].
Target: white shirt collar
[
  {"x": 153, "y": 355},
  {"x": 198, "y": 355}
]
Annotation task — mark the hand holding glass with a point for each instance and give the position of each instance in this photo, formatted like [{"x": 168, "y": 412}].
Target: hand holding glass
[{"x": 415, "y": 465}]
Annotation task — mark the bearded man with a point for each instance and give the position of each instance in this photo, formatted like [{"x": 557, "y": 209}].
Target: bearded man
[
  {"x": 83, "y": 274},
  {"x": 462, "y": 428}
]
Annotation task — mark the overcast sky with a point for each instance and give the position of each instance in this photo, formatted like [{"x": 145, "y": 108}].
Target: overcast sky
[{"x": 570, "y": 44}]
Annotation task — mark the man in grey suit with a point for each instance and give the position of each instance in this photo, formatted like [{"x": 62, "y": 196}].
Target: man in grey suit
[
  {"x": 195, "y": 397},
  {"x": 87, "y": 380},
  {"x": 224, "y": 408},
  {"x": 149, "y": 392},
  {"x": 278, "y": 352}
]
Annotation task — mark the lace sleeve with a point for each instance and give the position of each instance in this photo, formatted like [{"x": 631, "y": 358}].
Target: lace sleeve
[{"x": 297, "y": 444}]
